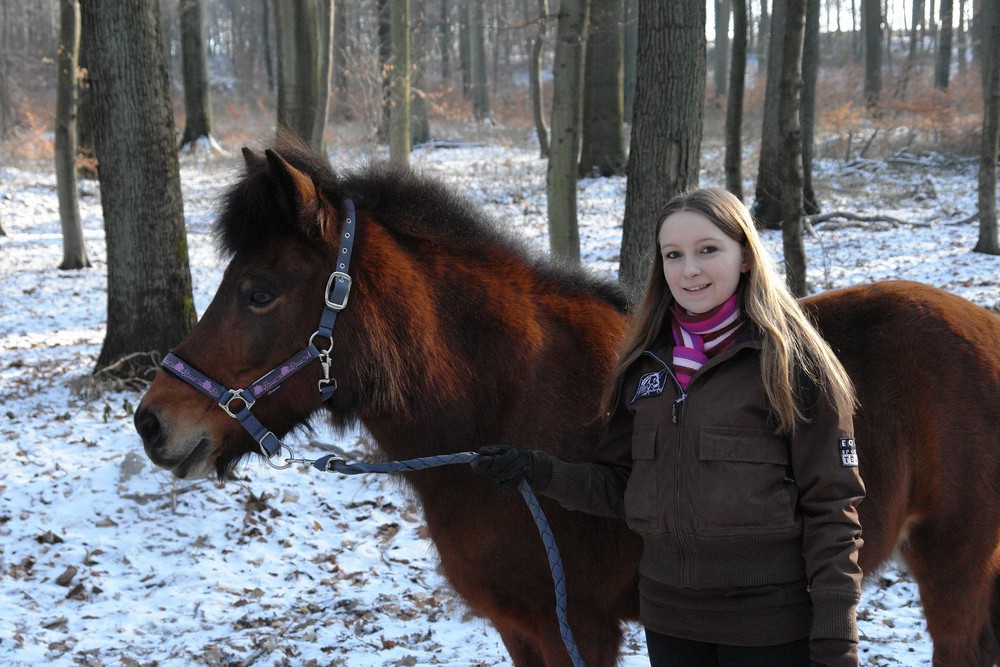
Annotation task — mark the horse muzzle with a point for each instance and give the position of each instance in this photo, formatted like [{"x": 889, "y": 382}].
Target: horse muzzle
[{"x": 185, "y": 455}]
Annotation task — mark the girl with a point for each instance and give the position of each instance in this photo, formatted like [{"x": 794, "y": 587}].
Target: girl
[{"x": 729, "y": 449}]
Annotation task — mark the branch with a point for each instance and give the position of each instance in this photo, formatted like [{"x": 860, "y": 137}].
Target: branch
[{"x": 858, "y": 217}]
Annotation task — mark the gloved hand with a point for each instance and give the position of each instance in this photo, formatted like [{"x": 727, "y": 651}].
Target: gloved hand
[{"x": 507, "y": 465}]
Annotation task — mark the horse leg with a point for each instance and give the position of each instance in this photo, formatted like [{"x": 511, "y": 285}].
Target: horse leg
[
  {"x": 598, "y": 638},
  {"x": 519, "y": 645},
  {"x": 956, "y": 587}
]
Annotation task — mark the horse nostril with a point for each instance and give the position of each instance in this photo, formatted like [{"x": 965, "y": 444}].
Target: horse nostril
[{"x": 147, "y": 424}]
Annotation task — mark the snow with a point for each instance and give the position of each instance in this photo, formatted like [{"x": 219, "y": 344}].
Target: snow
[{"x": 107, "y": 560}]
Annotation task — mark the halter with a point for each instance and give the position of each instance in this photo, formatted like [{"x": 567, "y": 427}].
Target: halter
[{"x": 238, "y": 402}]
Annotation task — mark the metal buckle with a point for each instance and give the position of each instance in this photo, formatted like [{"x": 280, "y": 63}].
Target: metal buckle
[
  {"x": 329, "y": 284},
  {"x": 235, "y": 394}
]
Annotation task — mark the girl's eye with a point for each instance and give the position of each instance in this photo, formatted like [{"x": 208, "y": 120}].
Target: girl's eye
[
  {"x": 708, "y": 250},
  {"x": 673, "y": 254}
]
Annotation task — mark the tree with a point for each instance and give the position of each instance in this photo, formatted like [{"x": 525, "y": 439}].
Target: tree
[
  {"x": 603, "y": 148},
  {"x": 399, "y": 110},
  {"x": 766, "y": 208},
  {"x": 989, "y": 241},
  {"x": 303, "y": 91},
  {"x": 150, "y": 304},
  {"x": 535, "y": 79},
  {"x": 942, "y": 67},
  {"x": 478, "y": 88},
  {"x": 6, "y": 104},
  {"x": 74, "y": 248},
  {"x": 807, "y": 115},
  {"x": 791, "y": 139},
  {"x": 420, "y": 128},
  {"x": 723, "y": 8},
  {"x": 667, "y": 123},
  {"x": 197, "y": 96},
  {"x": 872, "y": 26},
  {"x": 567, "y": 103},
  {"x": 734, "y": 107},
  {"x": 631, "y": 20},
  {"x": 324, "y": 12}
]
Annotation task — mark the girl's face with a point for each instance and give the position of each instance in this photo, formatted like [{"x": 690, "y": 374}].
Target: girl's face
[{"x": 702, "y": 265}]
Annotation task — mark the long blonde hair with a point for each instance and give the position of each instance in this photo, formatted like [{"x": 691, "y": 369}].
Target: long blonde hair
[{"x": 791, "y": 344}]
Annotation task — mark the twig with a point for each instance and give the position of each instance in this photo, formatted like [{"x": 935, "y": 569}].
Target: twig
[{"x": 857, "y": 217}]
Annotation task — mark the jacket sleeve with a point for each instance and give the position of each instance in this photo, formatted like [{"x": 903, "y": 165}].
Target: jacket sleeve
[
  {"x": 830, "y": 488},
  {"x": 597, "y": 487}
]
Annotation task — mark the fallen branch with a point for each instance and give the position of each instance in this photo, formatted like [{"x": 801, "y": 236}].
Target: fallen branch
[{"x": 858, "y": 217}]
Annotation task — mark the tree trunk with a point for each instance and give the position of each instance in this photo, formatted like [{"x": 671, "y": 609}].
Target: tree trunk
[
  {"x": 603, "y": 148},
  {"x": 399, "y": 109},
  {"x": 942, "y": 68},
  {"x": 6, "y": 104},
  {"x": 791, "y": 140},
  {"x": 74, "y": 248},
  {"x": 266, "y": 30},
  {"x": 666, "y": 126},
  {"x": 197, "y": 98},
  {"x": 723, "y": 8},
  {"x": 766, "y": 208},
  {"x": 339, "y": 40},
  {"x": 631, "y": 21},
  {"x": 810, "y": 71},
  {"x": 420, "y": 128},
  {"x": 911, "y": 57},
  {"x": 989, "y": 241},
  {"x": 478, "y": 87},
  {"x": 567, "y": 117},
  {"x": 324, "y": 14},
  {"x": 150, "y": 305},
  {"x": 86, "y": 163},
  {"x": 444, "y": 41},
  {"x": 872, "y": 26},
  {"x": 734, "y": 107},
  {"x": 535, "y": 77},
  {"x": 300, "y": 67}
]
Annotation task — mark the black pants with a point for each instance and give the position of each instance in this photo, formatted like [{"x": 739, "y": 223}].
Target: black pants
[{"x": 665, "y": 651}]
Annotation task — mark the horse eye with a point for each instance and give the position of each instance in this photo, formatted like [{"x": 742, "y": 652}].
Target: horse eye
[{"x": 260, "y": 298}]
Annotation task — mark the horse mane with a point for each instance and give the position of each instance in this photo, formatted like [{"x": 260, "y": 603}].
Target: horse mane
[{"x": 410, "y": 205}]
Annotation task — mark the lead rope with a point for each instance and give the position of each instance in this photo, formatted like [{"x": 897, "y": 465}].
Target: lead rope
[{"x": 331, "y": 463}]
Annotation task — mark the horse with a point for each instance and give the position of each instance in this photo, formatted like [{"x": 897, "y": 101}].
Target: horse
[{"x": 457, "y": 335}]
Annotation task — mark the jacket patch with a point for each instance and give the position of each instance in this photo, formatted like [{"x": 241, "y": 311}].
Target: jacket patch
[
  {"x": 650, "y": 384},
  {"x": 848, "y": 453}
]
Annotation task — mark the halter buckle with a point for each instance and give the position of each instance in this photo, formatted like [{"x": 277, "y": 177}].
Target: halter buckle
[
  {"x": 235, "y": 394},
  {"x": 343, "y": 278}
]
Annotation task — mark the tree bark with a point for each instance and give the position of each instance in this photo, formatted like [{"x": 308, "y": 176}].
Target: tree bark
[
  {"x": 567, "y": 103},
  {"x": 420, "y": 128},
  {"x": 666, "y": 126},
  {"x": 324, "y": 14},
  {"x": 631, "y": 21},
  {"x": 6, "y": 104},
  {"x": 339, "y": 40},
  {"x": 535, "y": 78},
  {"x": 74, "y": 248},
  {"x": 603, "y": 147},
  {"x": 766, "y": 208},
  {"x": 791, "y": 139},
  {"x": 810, "y": 72},
  {"x": 942, "y": 68},
  {"x": 723, "y": 8},
  {"x": 872, "y": 26},
  {"x": 734, "y": 107},
  {"x": 197, "y": 95},
  {"x": 478, "y": 88},
  {"x": 86, "y": 163},
  {"x": 989, "y": 241},
  {"x": 300, "y": 100},
  {"x": 150, "y": 305},
  {"x": 399, "y": 110}
]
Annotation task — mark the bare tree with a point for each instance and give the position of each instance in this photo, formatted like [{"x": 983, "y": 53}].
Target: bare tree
[
  {"x": 74, "y": 248},
  {"x": 399, "y": 110},
  {"x": 872, "y": 26},
  {"x": 807, "y": 115},
  {"x": 667, "y": 123},
  {"x": 734, "y": 107},
  {"x": 723, "y": 9},
  {"x": 150, "y": 305},
  {"x": 303, "y": 91},
  {"x": 197, "y": 95},
  {"x": 791, "y": 139},
  {"x": 535, "y": 78},
  {"x": 603, "y": 141},
  {"x": 478, "y": 87},
  {"x": 766, "y": 208},
  {"x": 989, "y": 241},
  {"x": 942, "y": 69},
  {"x": 567, "y": 111}
]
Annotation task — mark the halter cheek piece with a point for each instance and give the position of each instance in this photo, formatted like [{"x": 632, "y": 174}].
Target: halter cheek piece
[{"x": 237, "y": 402}]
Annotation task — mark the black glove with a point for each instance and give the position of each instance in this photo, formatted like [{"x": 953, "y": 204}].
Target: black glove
[{"x": 507, "y": 465}]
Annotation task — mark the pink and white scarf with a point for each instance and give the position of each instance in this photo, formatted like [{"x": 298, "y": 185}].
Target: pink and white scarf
[{"x": 698, "y": 338}]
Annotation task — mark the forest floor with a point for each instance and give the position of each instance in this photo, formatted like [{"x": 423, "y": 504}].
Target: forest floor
[{"x": 106, "y": 560}]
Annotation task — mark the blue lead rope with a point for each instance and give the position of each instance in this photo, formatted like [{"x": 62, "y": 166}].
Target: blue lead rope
[{"x": 333, "y": 463}]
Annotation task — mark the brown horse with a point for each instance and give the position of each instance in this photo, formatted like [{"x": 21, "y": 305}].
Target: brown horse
[{"x": 456, "y": 337}]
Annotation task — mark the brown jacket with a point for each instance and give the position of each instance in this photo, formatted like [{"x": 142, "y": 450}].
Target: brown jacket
[{"x": 721, "y": 501}]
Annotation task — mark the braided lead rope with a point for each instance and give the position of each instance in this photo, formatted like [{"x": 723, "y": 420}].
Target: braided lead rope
[{"x": 332, "y": 463}]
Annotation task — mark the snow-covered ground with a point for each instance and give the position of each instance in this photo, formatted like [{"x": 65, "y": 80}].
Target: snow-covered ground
[{"x": 106, "y": 560}]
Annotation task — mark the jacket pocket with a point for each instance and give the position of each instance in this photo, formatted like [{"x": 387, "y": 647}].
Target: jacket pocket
[
  {"x": 742, "y": 484},
  {"x": 642, "y": 492}
]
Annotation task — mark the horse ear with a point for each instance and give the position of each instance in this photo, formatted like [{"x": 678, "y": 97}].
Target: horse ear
[
  {"x": 253, "y": 160},
  {"x": 297, "y": 185}
]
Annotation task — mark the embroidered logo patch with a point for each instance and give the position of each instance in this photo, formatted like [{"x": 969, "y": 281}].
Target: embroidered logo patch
[
  {"x": 848, "y": 453},
  {"x": 650, "y": 384}
]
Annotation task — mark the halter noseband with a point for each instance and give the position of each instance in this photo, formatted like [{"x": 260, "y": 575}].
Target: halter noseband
[{"x": 338, "y": 288}]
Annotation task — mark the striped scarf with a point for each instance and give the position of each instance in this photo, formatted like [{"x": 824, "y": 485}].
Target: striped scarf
[{"x": 698, "y": 338}]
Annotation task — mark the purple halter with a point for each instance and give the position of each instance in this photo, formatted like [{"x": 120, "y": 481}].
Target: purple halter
[{"x": 338, "y": 288}]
